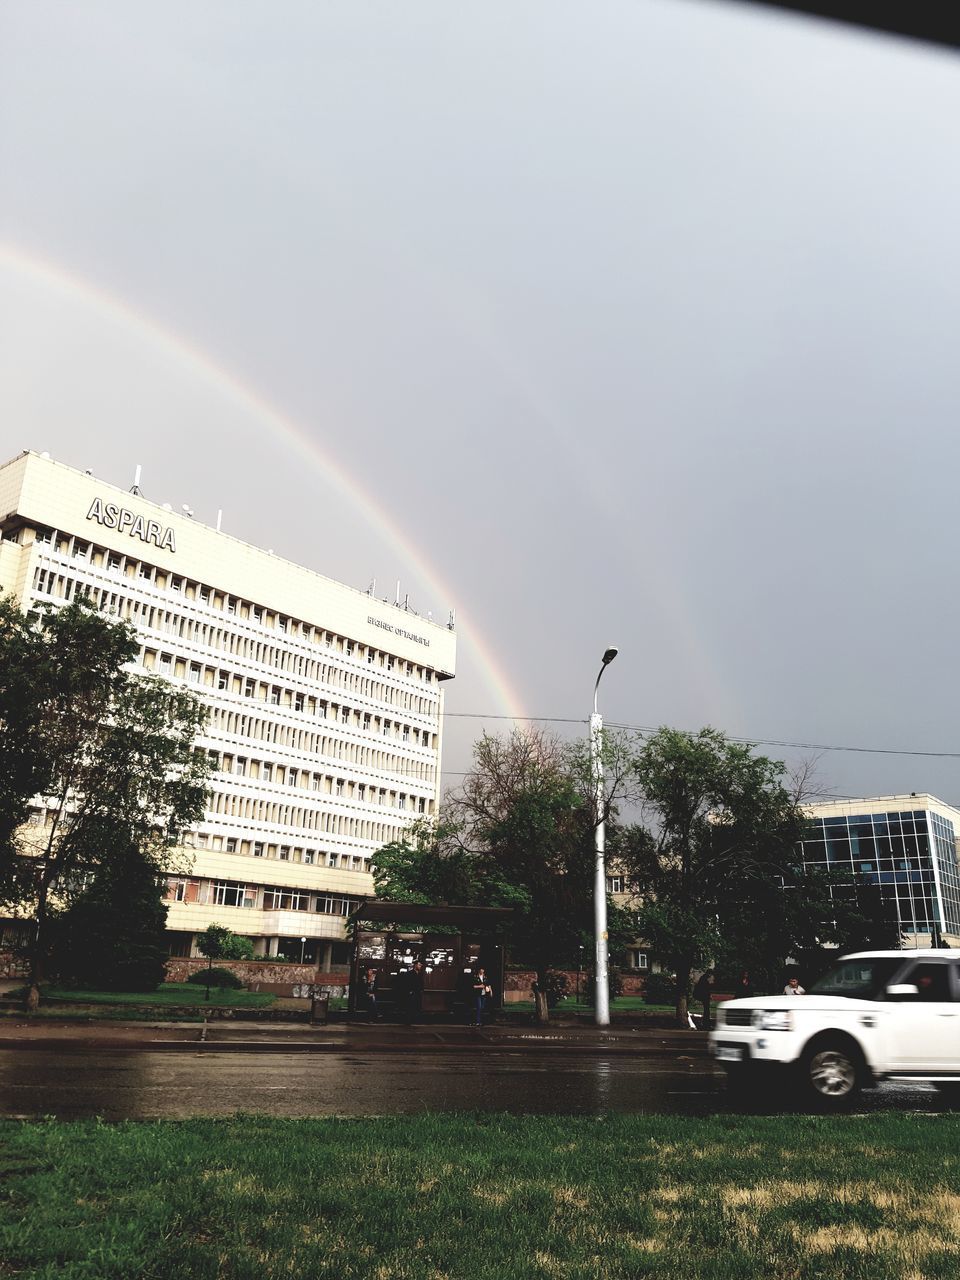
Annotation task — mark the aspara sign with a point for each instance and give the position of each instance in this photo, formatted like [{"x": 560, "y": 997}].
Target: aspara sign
[{"x": 113, "y": 517}]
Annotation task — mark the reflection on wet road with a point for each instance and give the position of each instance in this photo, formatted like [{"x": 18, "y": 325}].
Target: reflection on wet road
[{"x": 127, "y": 1085}]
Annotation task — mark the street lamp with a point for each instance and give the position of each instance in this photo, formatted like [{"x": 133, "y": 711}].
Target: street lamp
[
  {"x": 602, "y": 1001},
  {"x": 303, "y": 943}
]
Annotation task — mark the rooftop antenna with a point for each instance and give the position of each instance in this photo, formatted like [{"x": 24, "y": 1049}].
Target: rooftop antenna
[
  {"x": 372, "y": 589},
  {"x": 135, "y": 487},
  {"x": 219, "y": 518},
  {"x": 452, "y": 620},
  {"x": 397, "y": 598}
]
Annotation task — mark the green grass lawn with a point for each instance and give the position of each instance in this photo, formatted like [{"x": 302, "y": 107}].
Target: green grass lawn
[
  {"x": 171, "y": 993},
  {"x": 622, "y": 1004},
  {"x": 457, "y": 1197}
]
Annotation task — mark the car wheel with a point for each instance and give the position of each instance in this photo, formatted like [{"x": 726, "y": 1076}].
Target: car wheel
[{"x": 831, "y": 1073}]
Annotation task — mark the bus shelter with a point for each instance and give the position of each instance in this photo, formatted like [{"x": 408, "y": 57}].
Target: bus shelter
[{"x": 450, "y": 942}]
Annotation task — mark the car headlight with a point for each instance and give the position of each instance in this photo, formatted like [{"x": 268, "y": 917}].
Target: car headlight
[{"x": 773, "y": 1019}]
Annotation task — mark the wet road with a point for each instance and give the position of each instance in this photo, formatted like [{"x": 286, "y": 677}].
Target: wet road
[{"x": 125, "y": 1085}]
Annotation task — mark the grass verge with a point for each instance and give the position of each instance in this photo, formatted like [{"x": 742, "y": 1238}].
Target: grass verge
[
  {"x": 455, "y": 1197},
  {"x": 171, "y": 993}
]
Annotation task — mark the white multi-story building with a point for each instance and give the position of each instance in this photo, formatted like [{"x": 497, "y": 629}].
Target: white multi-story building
[{"x": 325, "y": 704}]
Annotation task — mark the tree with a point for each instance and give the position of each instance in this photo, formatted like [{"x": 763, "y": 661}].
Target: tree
[
  {"x": 112, "y": 761},
  {"x": 722, "y": 840},
  {"x": 112, "y": 937},
  {"x": 518, "y": 834},
  {"x": 217, "y": 942}
]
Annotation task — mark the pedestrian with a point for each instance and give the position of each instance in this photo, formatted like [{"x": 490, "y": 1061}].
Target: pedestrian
[
  {"x": 703, "y": 991},
  {"x": 793, "y": 987},
  {"x": 746, "y": 986},
  {"x": 368, "y": 992},
  {"x": 482, "y": 991},
  {"x": 417, "y": 983}
]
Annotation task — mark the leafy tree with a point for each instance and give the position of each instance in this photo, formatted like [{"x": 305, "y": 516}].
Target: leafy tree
[
  {"x": 111, "y": 758},
  {"x": 519, "y": 834},
  {"x": 217, "y": 942},
  {"x": 719, "y": 871},
  {"x": 723, "y": 835},
  {"x": 112, "y": 937},
  {"x": 429, "y": 864}
]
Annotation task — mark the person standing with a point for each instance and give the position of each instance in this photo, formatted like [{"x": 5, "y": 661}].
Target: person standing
[
  {"x": 417, "y": 983},
  {"x": 482, "y": 991},
  {"x": 703, "y": 992},
  {"x": 793, "y": 987},
  {"x": 368, "y": 991}
]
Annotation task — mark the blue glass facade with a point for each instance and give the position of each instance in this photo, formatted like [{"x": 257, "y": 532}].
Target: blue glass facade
[{"x": 911, "y": 854}]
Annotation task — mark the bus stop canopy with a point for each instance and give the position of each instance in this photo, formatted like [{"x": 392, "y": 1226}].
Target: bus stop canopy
[{"x": 372, "y": 911}]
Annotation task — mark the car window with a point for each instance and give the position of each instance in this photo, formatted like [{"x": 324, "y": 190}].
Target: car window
[
  {"x": 932, "y": 980},
  {"x": 864, "y": 978}
]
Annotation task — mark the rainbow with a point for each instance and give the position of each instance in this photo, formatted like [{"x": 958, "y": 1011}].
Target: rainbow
[{"x": 56, "y": 279}]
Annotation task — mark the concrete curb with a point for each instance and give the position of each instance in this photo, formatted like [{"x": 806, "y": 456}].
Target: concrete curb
[{"x": 218, "y": 1037}]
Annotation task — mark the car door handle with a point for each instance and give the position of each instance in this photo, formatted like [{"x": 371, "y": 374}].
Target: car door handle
[{"x": 951, "y": 1014}]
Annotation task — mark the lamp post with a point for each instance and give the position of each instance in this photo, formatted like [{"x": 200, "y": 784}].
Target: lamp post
[
  {"x": 303, "y": 943},
  {"x": 602, "y": 1001}
]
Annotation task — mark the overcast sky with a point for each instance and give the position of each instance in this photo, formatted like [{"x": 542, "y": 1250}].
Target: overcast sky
[{"x": 602, "y": 323}]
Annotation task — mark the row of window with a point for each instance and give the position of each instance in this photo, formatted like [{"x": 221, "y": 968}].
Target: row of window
[
  {"x": 307, "y": 780},
  {"x": 234, "y": 893},
  {"x": 174, "y": 667},
  {"x": 170, "y": 664},
  {"x": 313, "y": 743},
  {"x": 255, "y": 809},
  {"x": 282, "y": 852},
  {"x": 257, "y": 616}
]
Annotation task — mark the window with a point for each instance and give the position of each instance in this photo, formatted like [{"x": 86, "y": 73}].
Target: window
[
  {"x": 228, "y": 893},
  {"x": 258, "y": 848},
  {"x": 284, "y": 853},
  {"x": 639, "y": 959},
  {"x": 614, "y": 884},
  {"x": 285, "y": 900},
  {"x": 308, "y": 856}
]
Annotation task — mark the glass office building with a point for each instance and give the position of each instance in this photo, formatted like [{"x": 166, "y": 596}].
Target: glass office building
[{"x": 905, "y": 844}]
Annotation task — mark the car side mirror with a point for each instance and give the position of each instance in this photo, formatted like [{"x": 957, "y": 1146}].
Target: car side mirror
[{"x": 902, "y": 990}]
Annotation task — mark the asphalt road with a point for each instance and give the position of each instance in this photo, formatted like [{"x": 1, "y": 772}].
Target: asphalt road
[{"x": 147, "y": 1085}]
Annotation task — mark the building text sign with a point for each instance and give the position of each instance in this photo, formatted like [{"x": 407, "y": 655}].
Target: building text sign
[
  {"x": 397, "y": 631},
  {"x": 113, "y": 517}
]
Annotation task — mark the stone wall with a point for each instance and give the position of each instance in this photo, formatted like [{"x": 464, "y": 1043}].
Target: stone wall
[
  {"x": 518, "y": 983},
  {"x": 267, "y": 973}
]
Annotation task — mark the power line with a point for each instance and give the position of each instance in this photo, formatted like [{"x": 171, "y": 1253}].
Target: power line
[{"x": 762, "y": 742}]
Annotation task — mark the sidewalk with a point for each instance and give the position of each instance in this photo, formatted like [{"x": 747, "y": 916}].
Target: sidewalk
[{"x": 239, "y": 1037}]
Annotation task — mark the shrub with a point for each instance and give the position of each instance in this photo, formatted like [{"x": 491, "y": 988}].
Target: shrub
[
  {"x": 660, "y": 988},
  {"x": 215, "y": 978},
  {"x": 556, "y": 987}
]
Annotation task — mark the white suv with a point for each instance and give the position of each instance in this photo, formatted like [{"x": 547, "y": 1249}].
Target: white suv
[{"x": 873, "y": 1015}]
